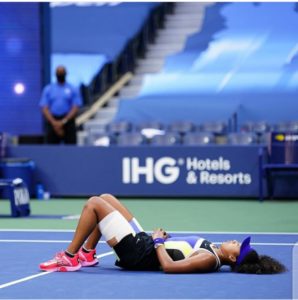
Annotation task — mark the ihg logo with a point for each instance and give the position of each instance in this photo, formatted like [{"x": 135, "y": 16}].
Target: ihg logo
[{"x": 163, "y": 170}]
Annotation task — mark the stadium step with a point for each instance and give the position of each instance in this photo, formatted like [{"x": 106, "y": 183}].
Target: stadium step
[
  {"x": 191, "y": 7},
  {"x": 113, "y": 102},
  {"x": 179, "y": 26},
  {"x": 137, "y": 79},
  {"x": 82, "y": 136},
  {"x": 159, "y": 52},
  {"x": 156, "y": 62},
  {"x": 96, "y": 124},
  {"x": 129, "y": 91},
  {"x": 171, "y": 39},
  {"x": 106, "y": 113}
]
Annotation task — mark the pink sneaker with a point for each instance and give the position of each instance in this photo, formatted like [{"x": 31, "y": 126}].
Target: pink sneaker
[
  {"x": 61, "y": 263},
  {"x": 88, "y": 259}
]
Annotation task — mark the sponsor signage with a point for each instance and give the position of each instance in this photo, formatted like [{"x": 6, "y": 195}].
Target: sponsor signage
[
  {"x": 189, "y": 171},
  {"x": 166, "y": 170},
  {"x": 176, "y": 171}
]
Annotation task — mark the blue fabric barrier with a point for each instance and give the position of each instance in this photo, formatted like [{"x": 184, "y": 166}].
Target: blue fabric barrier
[
  {"x": 209, "y": 107},
  {"x": 246, "y": 36},
  {"x": 174, "y": 84},
  {"x": 217, "y": 84},
  {"x": 262, "y": 106},
  {"x": 177, "y": 108},
  {"x": 245, "y": 57},
  {"x": 102, "y": 29}
]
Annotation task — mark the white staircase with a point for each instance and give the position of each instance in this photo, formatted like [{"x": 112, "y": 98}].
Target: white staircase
[{"x": 186, "y": 20}]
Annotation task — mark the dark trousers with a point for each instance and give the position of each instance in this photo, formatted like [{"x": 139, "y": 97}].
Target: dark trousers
[{"x": 70, "y": 133}]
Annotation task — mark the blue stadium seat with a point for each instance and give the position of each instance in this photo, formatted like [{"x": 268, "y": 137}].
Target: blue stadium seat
[
  {"x": 287, "y": 126},
  {"x": 242, "y": 138},
  {"x": 98, "y": 138},
  {"x": 198, "y": 138},
  {"x": 149, "y": 124},
  {"x": 181, "y": 127},
  {"x": 168, "y": 139},
  {"x": 261, "y": 129},
  {"x": 131, "y": 139},
  {"x": 216, "y": 127},
  {"x": 118, "y": 127},
  {"x": 257, "y": 127}
]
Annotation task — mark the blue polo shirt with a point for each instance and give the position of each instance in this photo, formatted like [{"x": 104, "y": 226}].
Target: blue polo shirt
[{"x": 60, "y": 98}]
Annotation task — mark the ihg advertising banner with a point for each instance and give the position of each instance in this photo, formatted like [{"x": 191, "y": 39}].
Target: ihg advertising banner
[
  {"x": 189, "y": 172},
  {"x": 219, "y": 171}
]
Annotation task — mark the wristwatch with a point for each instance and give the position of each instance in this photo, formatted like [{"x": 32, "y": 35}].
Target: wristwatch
[{"x": 158, "y": 242}]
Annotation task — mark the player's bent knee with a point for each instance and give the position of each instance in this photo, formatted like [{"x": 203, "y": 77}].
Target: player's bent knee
[
  {"x": 107, "y": 197},
  {"x": 115, "y": 227},
  {"x": 93, "y": 202}
]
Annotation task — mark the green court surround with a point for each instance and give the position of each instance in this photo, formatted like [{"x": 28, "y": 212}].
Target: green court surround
[{"x": 172, "y": 215}]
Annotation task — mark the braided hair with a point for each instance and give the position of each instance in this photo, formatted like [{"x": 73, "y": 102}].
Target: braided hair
[{"x": 258, "y": 264}]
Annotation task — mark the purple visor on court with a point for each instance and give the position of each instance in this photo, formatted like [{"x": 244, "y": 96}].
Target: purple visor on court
[{"x": 244, "y": 250}]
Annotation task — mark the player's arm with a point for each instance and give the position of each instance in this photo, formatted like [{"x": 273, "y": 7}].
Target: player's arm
[{"x": 203, "y": 262}]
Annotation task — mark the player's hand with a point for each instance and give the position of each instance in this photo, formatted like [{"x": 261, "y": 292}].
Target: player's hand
[{"x": 160, "y": 233}]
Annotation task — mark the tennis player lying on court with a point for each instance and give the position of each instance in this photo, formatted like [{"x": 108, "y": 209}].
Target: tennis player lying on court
[{"x": 106, "y": 216}]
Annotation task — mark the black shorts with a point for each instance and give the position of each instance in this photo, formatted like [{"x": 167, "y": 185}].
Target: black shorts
[{"x": 137, "y": 253}]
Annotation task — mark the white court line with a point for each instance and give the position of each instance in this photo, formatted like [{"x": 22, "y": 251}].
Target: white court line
[
  {"x": 105, "y": 254},
  {"x": 172, "y": 231},
  {"x": 39, "y": 241},
  {"x": 236, "y": 232},
  {"x": 274, "y": 244},
  {"x": 5, "y": 285},
  {"x": 267, "y": 244},
  {"x": 71, "y": 217}
]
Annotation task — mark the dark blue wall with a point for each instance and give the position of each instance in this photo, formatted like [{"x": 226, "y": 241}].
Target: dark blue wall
[
  {"x": 21, "y": 75},
  {"x": 215, "y": 171},
  {"x": 180, "y": 171}
]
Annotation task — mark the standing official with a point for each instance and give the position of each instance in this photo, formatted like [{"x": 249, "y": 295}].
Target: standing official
[{"x": 60, "y": 102}]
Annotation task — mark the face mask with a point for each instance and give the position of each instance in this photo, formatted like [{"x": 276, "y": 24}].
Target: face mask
[{"x": 60, "y": 78}]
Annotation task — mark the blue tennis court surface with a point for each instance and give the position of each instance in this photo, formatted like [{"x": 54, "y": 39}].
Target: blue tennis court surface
[{"x": 22, "y": 251}]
